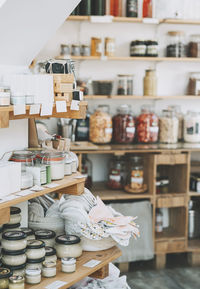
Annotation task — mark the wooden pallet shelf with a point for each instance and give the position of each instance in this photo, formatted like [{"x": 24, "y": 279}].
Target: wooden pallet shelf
[
  {"x": 139, "y": 20},
  {"x": 194, "y": 194},
  {"x": 142, "y": 97},
  {"x": 7, "y": 114},
  {"x": 194, "y": 245},
  {"x": 69, "y": 185},
  {"x": 105, "y": 257},
  {"x": 100, "y": 189},
  {"x": 169, "y": 235}
]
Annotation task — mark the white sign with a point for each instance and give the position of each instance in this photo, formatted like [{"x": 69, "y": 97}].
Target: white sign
[
  {"x": 61, "y": 106},
  {"x": 34, "y": 109},
  {"x": 19, "y": 109}
]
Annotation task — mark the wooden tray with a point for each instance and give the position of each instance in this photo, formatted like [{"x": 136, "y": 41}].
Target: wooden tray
[{"x": 132, "y": 191}]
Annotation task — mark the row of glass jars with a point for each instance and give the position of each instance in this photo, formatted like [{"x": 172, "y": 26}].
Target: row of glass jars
[{"x": 124, "y": 128}]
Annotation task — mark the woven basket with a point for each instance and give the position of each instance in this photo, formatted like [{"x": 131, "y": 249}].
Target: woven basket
[{"x": 97, "y": 245}]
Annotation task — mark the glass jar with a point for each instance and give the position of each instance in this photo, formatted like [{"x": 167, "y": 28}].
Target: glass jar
[
  {"x": 26, "y": 180},
  {"x": 75, "y": 163},
  {"x": 101, "y": 125},
  {"x": 159, "y": 221},
  {"x": 131, "y": 8},
  {"x": 138, "y": 48},
  {"x": 16, "y": 282},
  {"x": 18, "y": 270},
  {"x": 123, "y": 126},
  {"x": 26, "y": 158},
  {"x": 68, "y": 265},
  {"x": 169, "y": 127},
  {"x": 65, "y": 50},
  {"x": 82, "y": 129},
  {"x": 150, "y": 83},
  {"x": 125, "y": 84},
  {"x": 85, "y": 50},
  {"x": 56, "y": 160},
  {"x": 194, "y": 83},
  {"x": 35, "y": 249},
  {"x": 162, "y": 185},
  {"x": 75, "y": 50},
  {"x": 33, "y": 264},
  {"x": 179, "y": 114},
  {"x": 68, "y": 165},
  {"x": 151, "y": 48},
  {"x": 176, "y": 44},
  {"x": 29, "y": 233},
  {"x": 96, "y": 46},
  {"x": 5, "y": 273},
  {"x": 68, "y": 246},
  {"x": 33, "y": 276},
  {"x": 115, "y": 8},
  {"x": 86, "y": 170},
  {"x": 109, "y": 47},
  {"x": 192, "y": 127},
  {"x": 194, "y": 46},
  {"x": 13, "y": 258},
  {"x": 12, "y": 227},
  {"x": 147, "y": 125},
  {"x": 136, "y": 173},
  {"x": 50, "y": 254},
  {"x": 116, "y": 177},
  {"x": 49, "y": 269},
  {"x": 14, "y": 241},
  {"x": 15, "y": 215},
  {"x": 47, "y": 236}
]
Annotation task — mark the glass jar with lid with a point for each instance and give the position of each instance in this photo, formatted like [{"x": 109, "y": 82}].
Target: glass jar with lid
[
  {"x": 101, "y": 125},
  {"x": 194, "y": 46},
  {"x": 179, "y": 114},
  {"x": 169, "y": 127},
  {"x": 150, "y": 83},
  {"x": 68, "y": 246},
  {"x": 192, "y": 127},
  {"x": 136, "y": 173},
  {"x": 123, "y": 125},
  {"x": 86, "y": 170},
  {"x": 26, "y": 158},
  {"x": 125, "y": 84},
  {"x": 16, "y": 282},
  {"x": 147, "y": 125},
  {"x": 5, "y": 273},
  {"x": 47, "y": 236},
  {"x": 56, "y": 160},
  {"x": 176, "y": 44},
  {"x": 194, "y": 83},
  {"x": 116, "y": 177},
  {"x": 138, "y": 48}
]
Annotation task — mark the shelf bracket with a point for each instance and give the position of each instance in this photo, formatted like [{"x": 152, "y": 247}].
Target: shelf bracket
[
  {"x": 4, "y": 119},
  {"x": 101, "y": 273}
]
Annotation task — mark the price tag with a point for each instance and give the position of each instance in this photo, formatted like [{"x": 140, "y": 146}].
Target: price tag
[
  {"x": 101, "y": 19},
  {"x": 61, "y": 106},
  {"x": 8, "y": 198},
  {"x": 92, "y": 263},
  {"x": 34, "y": 109},
  {"x": 56, "y": 285},
  {"x": 37, "y": 188},
  {"x": 24, "y": 193},
  {"x": 74, "y": 104},
  {"x": 150, "y": 21},
  {"x": 19, "y": 109},
  {"x": 52, "y": 185},
  {"x": 80, "y": 177},
  {"x": 47, "y": 109}
]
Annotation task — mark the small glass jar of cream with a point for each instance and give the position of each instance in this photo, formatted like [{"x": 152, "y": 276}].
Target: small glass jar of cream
[
  {"x": 5, "y": 273},
  {"x": 29, "y": 233},
  {"x": 13, "y": 258},
  {"x": 14, "y": 241},
  {"x": 16, "y": 282},
  {"x": 47, "y": 236},
  {"x": 35, "y": 249},
  {"x": 15, "y": 215},
  {"x": 68, "y": 246},
  {"x": 18, "y": 270},
  {"x": 35, "y": 263},
  {"x": 5, "y": 96},
  {"x": 49, "y": 269},
  {"x": 50, "y": 254},
  {"x": 68, "y": 265},
  {"x": 11, "y": 227},
  {"x": 33, "y": 276},
  {"x": 18, "y": 99}
]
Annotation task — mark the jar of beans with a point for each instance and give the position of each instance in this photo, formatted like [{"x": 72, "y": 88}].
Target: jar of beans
[
  {"x": 176, "y": 44},
  {"x": 123, "y": 126},
  {"x": 194, "y": 46},
  {"x": 147, "y": 125},
  {"x": 116, "y": 175}
]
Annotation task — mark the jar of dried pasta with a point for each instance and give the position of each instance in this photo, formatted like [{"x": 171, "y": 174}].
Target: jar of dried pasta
[
  {"x": 169, "y": 127},
  {"x": 136, "y": 173},
  {"x": 101, "y": 125}
]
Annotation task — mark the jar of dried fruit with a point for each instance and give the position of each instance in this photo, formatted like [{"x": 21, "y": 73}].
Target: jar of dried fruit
[{"x": 116, "y": 175}]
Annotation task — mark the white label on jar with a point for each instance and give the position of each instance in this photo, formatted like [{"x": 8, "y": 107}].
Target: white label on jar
[
  {"x": 56, "y": 285},
  {"x": 154, "y": 129},
  {"x": 82, "y": 129},
  {"x": 92, "y": 263},
  {"x": 152, "y": 49},
  {"x": 137, "y": 180},
  {"x": 108, "y": 130},
  {"x": 110, "y": 47},
  {"x": 43, "y": 177},
  {"x": 115, "y": 178},
  {"x": 130, "y": 129},
  {"x": 99, "y": 48}
]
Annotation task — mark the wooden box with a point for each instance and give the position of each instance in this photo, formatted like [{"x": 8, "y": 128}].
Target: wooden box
[
  {"x": 171, "y": 202},
  {"x": 171, "y": 159},
  {"x": 170, "y": 246},
  {"x": 63, "y": 86}
]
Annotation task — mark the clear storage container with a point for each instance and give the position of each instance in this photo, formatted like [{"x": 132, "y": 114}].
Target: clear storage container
[
  {"x": 26, "y": 158},
  {"x": 179, "y": 114},
  {"x": 194, "y": 46},
  {"x": 176, "y": 44},
  {"x": 68, "y": 246},
  {"x": 169, "y": 127},
  {"x": 136, "y": 173},
  {"x": 192, "y": 127},
  {"x": 194, "y": 83},
  {"x": 125, "y": 84},
  {"x": 56, "y": 160},
  {"x": 116, "y": 176}
]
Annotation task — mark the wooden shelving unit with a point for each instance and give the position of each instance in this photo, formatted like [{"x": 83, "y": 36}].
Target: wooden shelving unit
[
  {"x": 105, "y": 257},
  {"x": 139, "y": 20},
  {"x": 142, "y": 97},
  {"x": 7, "y": 113}
]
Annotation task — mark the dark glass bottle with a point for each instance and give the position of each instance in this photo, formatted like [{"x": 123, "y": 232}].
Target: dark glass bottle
[
  {"x": 98, "y": 7},
  {"x": 85, "y": 7},
  {"x": 82, "y": 129},
  {"x": 132, "y": 8}
]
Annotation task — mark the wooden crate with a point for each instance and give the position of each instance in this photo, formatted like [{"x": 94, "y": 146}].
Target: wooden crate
[
  {"x": 170, "y": 246},
  {"x": 171, "y": 202},
  {"x": 171, "y": 159},
  {"x": 63, "y": 86}
]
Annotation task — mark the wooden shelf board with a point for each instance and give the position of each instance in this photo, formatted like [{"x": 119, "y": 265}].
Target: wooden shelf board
[
  {"x": 100, "y": 189},
  {"x": 139, "y": 20},
  {"x": 194, "y": 194},
  {"x": 63, "y": 185},
  {"x": 194, "y": 245},
  {"x": 143, "y": 97},
  {"x": 105, "y": 257},
  {"x": 168, "y": 235}
]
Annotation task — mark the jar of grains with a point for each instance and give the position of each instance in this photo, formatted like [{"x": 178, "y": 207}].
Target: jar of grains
[
  {"x": 169, "y": 127},
  {"x": 192, "y": 127},
  {"x": 101, "y": 125}
]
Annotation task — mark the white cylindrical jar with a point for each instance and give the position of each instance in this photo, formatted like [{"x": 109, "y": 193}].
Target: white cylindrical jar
[
  {"x": 68, "y": 165},
  {"x": 18, "y": 270},
  {"x": 68, "y": 246},
  {"x": 14, "y": 241},
  {"x": 5, "y": 273},
  {"x": 47, "y": 236},
  {"x": 56, "y": 160},
  {"x": 33, "y": 276},
  {"x": 34, "y": 264},
  {"x": 35, "y": 249},
  {"x": 11, "y": 227},
  {"x": 50, "y": 254},
  {"x": 49, "y": 269},
  {"x": 13, "y": 258},
  {"x": 29, "y": 233},
  {"x": 74, "y": 163},
  {"x": 68, "y": 265},
  {"x": 15, "y": 215},
  {"x": 16, "y": 282},
  {"x": 192, "y": 127}
]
